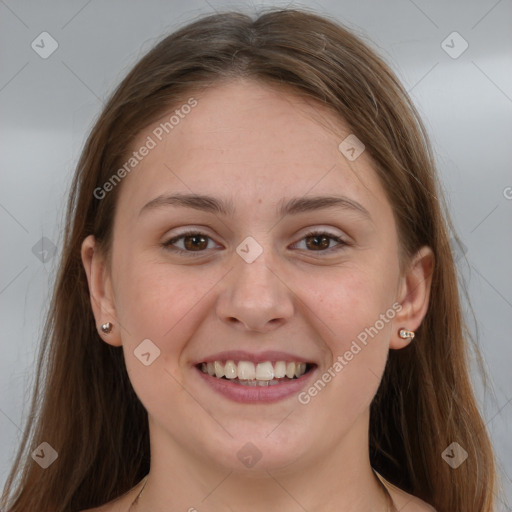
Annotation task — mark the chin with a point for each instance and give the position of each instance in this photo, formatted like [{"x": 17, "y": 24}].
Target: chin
[{"x": 256, "y": 451}]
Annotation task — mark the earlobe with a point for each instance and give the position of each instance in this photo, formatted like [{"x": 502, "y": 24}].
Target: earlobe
[
  {"x": 100, "y": 292},
  {"x": 414, "y": 294}
]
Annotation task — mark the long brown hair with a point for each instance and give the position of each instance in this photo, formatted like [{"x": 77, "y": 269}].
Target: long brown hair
[{"x": 83, "y": 403}]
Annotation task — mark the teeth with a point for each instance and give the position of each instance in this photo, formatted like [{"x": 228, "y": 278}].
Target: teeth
[
  {"x": 264, "y": 371},
  {"x": 258, "y": 383},
  {"x": 219, "y": 369},
  {"x": 230, "y": 370},
  {"x": 280, "y": 370},
  {"x": 300, "y": 369},
  {"x": 290, "y": 370},
  {"x": 246, "y": 370},
  {"x": 249, "y": 374},
  {"x": 250, "y": 383}
]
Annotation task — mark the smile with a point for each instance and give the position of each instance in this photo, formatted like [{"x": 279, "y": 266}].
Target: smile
[
  {"x": 248, "y": 381},
  {"x": 247, "y": 373}
]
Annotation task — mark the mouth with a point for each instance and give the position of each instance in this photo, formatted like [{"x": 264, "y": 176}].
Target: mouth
[
  {"x": 249, "y": 381},
  {"x": 247, "y": 373}
]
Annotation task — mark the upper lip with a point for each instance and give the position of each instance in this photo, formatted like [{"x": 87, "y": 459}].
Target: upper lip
[{"x": 241, "y": 355}]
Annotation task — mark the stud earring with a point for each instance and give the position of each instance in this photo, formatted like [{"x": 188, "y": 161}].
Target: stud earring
[
  {"x": 107, "y": 327},
  {"x": 405, "y": 334}
]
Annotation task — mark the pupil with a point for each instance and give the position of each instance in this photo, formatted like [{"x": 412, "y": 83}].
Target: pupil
[
  {"x": 198, "y": 242},
  {"x": 320, "y": 241}
]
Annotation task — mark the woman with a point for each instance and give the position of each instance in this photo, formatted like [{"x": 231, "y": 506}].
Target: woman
[{"x": 257, "y": 306}]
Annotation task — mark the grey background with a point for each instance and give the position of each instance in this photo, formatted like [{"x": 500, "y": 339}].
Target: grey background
[{"x": 48, "y": 107}]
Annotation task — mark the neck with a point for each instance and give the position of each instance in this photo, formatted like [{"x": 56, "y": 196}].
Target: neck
[{"x": 341, "y": 479}]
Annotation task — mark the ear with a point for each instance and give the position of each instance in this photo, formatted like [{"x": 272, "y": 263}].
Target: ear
[
  {"x": 413, "y": 296},
  {"x": 100, "y": 290}
]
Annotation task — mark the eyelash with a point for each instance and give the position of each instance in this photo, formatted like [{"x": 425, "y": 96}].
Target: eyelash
[{"x": 169, "y": 244}]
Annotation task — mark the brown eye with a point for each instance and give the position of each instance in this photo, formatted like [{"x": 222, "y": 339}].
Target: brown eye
[
  {"x": 316, "y": 242},
  {"x": 195, "y": 242},
  {"x": 320, "y": 241},
  {"x": 191, "y": 242}
]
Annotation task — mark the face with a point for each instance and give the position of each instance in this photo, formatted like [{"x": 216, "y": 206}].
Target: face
[{"x": 271, "y": 304}]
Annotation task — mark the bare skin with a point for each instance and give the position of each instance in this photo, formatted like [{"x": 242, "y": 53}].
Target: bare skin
[
  {"x": 254, "y": 146},
  {"x": 403, "y": 501}
]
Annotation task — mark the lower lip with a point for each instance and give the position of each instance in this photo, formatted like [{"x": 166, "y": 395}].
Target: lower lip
[{"x": 256, "y": 394}]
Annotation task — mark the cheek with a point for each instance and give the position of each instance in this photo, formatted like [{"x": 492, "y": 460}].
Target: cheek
[
  {"x": 162, "y": 304},
  {"x": 349, "y": 302},
  {"x": 155, "y": 301},
  {"x": 354, "y": 314}
]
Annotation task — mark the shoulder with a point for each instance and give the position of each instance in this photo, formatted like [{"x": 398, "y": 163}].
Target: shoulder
[
  {"x": 121, "y": 504},
  {"x": 112, "y": 506},
  {"x": 405, "y": 502},
  {"x": 109, "y": 507}
]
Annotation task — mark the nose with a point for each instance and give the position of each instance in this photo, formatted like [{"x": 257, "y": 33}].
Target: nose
[{"x": 255, "y": 297}]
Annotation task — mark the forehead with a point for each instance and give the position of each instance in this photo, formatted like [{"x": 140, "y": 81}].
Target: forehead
[{"x": 247, "y": 141}]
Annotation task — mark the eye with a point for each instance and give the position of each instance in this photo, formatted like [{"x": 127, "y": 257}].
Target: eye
[
  {"x": 189, "y": 242},
  {"x": 196, "y": 242},
  {"x": 320, "y": 241}
]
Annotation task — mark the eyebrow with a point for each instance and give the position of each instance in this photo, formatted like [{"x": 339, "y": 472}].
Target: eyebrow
[{"x": 286, "y": 207}]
